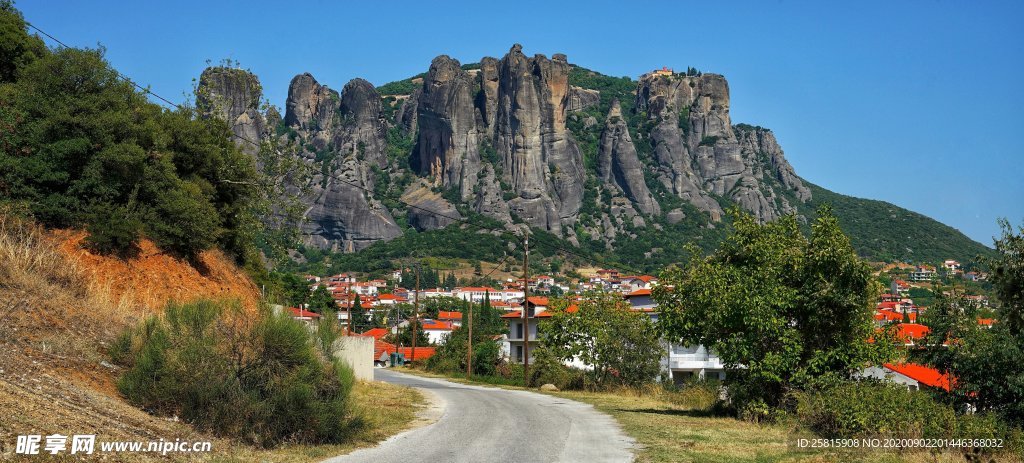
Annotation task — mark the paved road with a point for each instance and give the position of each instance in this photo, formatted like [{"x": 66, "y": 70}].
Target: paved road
[{"x": 497, "y": 425}]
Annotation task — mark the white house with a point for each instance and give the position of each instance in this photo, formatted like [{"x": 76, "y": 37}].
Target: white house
[
  {"x": 693, "y": 362},
  {"x": 477, "y": 293},
  {"x": 911, "y": 375},
  {"x": 436, "y": 330},
  {"x": 922, "y": 273},
  {"x": 517, "y": 337},
  {"x": 680, "y": 362}
]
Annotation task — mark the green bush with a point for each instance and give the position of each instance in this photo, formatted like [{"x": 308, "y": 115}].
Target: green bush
[
  {"x": 875, "y": 409},
  {"x": 546, "y": 368},
  {"x": 262, "y": 379},
  {"x": 114, "y": 230}
]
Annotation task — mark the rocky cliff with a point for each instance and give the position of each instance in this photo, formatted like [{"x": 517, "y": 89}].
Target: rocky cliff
[
  {"x": 233, "y": 95},
  {"x": 500, "y": 138}
]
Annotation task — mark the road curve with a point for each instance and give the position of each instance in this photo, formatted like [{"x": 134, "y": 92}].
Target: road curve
[{"x": 483, "y": 424}]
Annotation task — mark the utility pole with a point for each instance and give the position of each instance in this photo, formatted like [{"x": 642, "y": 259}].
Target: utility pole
[
  {"x": 526, "y": 308},
  {"x": 348, "y": 302},
  {"x": 415, "y": 313},
  {"x": 469, "y": 339}
]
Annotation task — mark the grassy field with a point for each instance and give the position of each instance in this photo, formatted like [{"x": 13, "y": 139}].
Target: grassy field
[{"x": 675, "y": 427}]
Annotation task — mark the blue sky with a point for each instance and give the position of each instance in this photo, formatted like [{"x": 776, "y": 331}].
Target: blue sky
[{"x": 915, "y": 103}]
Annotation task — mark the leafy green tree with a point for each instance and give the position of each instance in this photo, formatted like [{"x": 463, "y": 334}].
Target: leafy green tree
[
  {"x": 362, "y": 320},
  {"x": 17, "y": 47},
  {"x": 606, "y": 333},
  {"x": 985, "y": 361},
  {"x": 783, "y": 312},
  {"x": 450, "y": 282},
  {"x": 294, "y": 289},
  {"x": 1008, "y": 277},
  {"x": 83, "y": 148},
  {"x": 404, "y": 336},
  {"x": 321, "y": 301}
]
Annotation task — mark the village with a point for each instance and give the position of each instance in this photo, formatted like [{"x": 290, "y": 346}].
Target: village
[{"x": 388, "y": 303}]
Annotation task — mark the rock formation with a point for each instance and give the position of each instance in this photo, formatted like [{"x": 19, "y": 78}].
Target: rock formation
[
  {"x": 493, "y": 139},
  {"x": 698, "y": 151},
  {"x": 233, "y": 95},
  {"x": 617, "y": 163}
]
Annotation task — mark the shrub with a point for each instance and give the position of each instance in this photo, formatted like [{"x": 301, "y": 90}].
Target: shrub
[
  {"x": 546, "y": 368},
  {"x": 261, "y": 378},
  {"x": 876, "y": 409},
  {"x": 114, "y": 230},
  {"x": 695, "y": 395}
]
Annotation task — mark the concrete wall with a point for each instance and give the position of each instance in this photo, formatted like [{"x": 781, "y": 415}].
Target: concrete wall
[{"x": 357, "y": 352}]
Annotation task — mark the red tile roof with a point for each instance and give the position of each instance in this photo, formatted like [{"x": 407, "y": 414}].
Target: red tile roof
[
  {"x": 436, "y": 325},
  {"x": 911, "y": 331},
  {"x": 922, "y": 374},
  {"x": 538, "y": 301},
  {"x": 376, "y": 333},
  {"x": 422, "y": 353},
  {"x": 446, "y": 315},
  {"x": 986, "y": 321},
  {"x": 519, "y": 314},
  {"x": 893, "y": 316},
  {"x": 382, "y": 348},
  {"x": 640, "y": 292},
  {"x": 297, "y": 312}
]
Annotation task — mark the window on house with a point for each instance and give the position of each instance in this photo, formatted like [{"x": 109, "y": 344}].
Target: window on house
[
  {"x": 519, "y": 353},
  {"x": 519, "y": 331}
]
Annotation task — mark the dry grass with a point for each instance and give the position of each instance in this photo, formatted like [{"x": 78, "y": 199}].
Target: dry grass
[
  {"x": 31, "y": 263},
  {"x": 60, "y": 306}
]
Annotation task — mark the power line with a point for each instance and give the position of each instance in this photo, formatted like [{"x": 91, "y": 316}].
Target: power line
[
  {"x": 119, "y": 75},
  {"x": 460, "y": 219}
]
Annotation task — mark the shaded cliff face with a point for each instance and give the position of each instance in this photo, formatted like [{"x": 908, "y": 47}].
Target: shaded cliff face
[
  {"x": 492, "y": 138},
  {"x": 514, "y": 111},
  {"x": 349, "y": 135},
  {"x": 541, "y": 161},
  {"x": 618, "y": 165},
  {"x": 449, "y": 138},
  {"x": 338, "y": 136}
]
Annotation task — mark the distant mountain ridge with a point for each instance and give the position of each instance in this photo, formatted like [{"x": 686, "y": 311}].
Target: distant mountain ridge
[{"x": 616, "y": 167}]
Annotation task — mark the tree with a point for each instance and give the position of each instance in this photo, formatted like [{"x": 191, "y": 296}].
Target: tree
[
  {"x": 985, "y": 361},
  {"x": 294, "y": 289},
  {"x": 321, "y": 301},
  {"x": 451, "y": 353},
  {"x": 783, "y": 312},
  {"x": 607, "y": 334},
  {"x": 17, "y": 47},
  {"x": 84, "y": 148},
  {"x": 450, "y": 282},
  {"x": 404, "y": 336},
  {"x": 362, "y": 321},
  {"x": 1008, "y": 277}
]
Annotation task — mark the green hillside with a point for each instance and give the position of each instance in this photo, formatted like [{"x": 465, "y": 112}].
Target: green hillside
[{"x": 886, "y": 232}]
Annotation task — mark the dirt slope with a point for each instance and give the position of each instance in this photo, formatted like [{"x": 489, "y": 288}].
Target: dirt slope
[{"x": 60, "y": 306}]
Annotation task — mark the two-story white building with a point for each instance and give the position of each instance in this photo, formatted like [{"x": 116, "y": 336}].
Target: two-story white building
[{"x": 680, "y": 363}]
